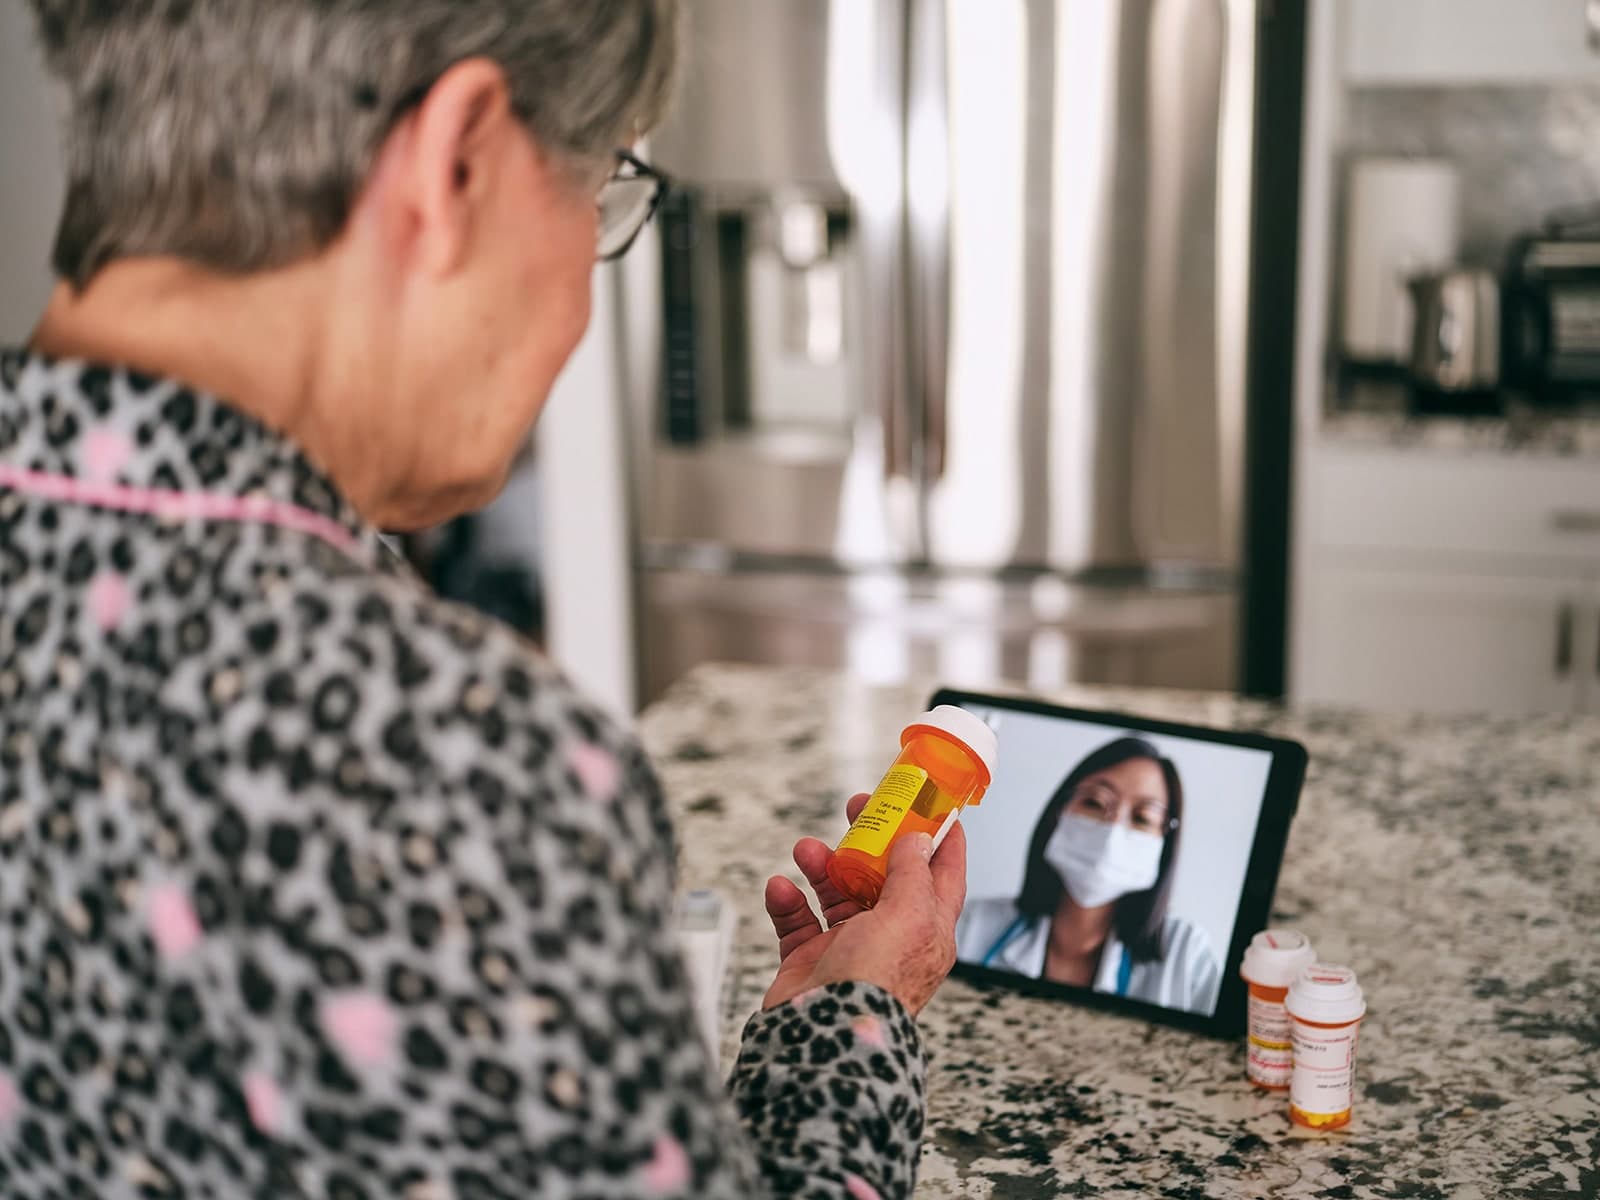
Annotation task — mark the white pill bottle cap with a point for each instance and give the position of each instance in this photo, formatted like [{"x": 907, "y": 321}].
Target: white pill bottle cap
[
  {"x": 1324, "y": 994},
  {"x": 970, "y": 731},
  {"x": 1275, "y": 957}
]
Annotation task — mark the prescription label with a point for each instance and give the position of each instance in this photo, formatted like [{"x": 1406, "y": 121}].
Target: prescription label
[
  {"x": 1269, "y": 1067},
  {"x": 1270, "y": 1059},
  {"x": 880, "y": 819},
  {"x": 1324, "y": 1069},
  {"x": 1269, "y": 1023}
]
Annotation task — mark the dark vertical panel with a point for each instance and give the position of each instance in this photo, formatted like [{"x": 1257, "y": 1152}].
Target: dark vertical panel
[
  {"x": 733, "y": 310},
  {"x": 1274, "y": 276},
  {"x": 682, "y": 403}
]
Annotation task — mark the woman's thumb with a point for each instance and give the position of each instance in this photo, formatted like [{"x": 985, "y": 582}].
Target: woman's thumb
[{"x": 908, "y": 879}]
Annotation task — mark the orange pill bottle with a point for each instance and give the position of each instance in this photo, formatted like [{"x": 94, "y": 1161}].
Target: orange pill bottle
[
  {"x": 946, "y": 762},
  {"x": 1271, "y": 962},
  {"x": 1325, "y": 1008}
]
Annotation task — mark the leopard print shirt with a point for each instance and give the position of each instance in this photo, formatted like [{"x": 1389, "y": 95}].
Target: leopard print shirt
[{"x": 312, "y": 884}]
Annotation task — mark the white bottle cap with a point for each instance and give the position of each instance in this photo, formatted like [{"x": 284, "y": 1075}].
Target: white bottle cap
[
  {"x": 967, "y": 728},
  {"x": 1276, "y": 956},
  {"x": 1326, "y": 995}
]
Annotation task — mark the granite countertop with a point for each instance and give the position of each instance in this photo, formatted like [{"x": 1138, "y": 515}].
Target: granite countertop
[
  {"x": 1535, "y": 435},
  {"x": 1455, "y": 863}
]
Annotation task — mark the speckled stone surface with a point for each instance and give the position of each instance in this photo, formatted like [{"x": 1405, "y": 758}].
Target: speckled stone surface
[
  {"x": 1455, "y": 863},
  {"x": 1533, "y": 435}
]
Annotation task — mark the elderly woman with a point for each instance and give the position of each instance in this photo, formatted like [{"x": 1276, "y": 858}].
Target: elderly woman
[{"x": 312, "y": 884}]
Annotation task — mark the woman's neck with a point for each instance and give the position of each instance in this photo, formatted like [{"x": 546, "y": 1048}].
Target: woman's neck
[
  {"x": 239, "y": 338},
  {"x": 1077, "y": 932},
  {"x": 254, "y": 341}
]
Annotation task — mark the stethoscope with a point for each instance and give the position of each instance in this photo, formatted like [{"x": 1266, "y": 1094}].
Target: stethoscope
[{"x": 1009, "y": 935}]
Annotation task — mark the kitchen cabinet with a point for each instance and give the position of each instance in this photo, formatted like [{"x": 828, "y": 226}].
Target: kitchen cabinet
[
  {"x": 1441, "y": 641},
  {"x": 1441, "y": 581},
  {"x": 1464, "y": 42}
]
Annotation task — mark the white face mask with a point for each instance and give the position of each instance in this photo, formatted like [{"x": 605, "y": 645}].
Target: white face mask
[{"x": 1099, "y": 863}]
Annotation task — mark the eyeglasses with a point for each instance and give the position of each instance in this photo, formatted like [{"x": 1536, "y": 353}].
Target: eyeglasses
[
  {"x": 627, "y": 201},
  {"x": 1103, "y": 804}
]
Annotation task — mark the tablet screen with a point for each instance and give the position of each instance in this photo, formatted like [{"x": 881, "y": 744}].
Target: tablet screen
[{"x": 1110, "y": 858}]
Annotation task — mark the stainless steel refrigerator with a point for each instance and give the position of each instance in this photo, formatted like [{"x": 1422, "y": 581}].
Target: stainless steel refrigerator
[{"x": 941, "y": 352}]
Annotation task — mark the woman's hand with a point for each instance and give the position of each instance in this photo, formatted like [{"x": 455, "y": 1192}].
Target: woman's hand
[{"x": 906, "y": 944}]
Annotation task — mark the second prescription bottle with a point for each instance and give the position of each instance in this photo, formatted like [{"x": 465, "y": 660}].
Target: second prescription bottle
[
  {"x": 1325, "y": 1009},
  {"x": 1271, "y": 962},
  {"x": 946, "y": 762}
]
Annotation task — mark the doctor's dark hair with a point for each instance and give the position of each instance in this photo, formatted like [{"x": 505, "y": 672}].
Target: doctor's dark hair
[{"x": 1138, "y": 917}]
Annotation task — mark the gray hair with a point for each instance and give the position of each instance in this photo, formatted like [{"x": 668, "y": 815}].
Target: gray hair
[{"x": 238, "y": 133}]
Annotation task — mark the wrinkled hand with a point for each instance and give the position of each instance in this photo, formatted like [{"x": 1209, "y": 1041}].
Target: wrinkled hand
[{"x": 906, "y": 944}]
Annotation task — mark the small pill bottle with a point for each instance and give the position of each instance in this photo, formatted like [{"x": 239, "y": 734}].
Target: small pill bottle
[
  {"x": 1271, "y": 962},
  {"x": 1325, "y": 1009},
  {"x": 946, "y": 762}
]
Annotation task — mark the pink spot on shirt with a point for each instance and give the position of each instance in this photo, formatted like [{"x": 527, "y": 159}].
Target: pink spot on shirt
[
  {"x": 105, "y": 452},
  {"x": 860, "y": 1189},
  {"x": 265, "y": 1102},
  {"x": 361, "y": 1026},
  {"x": 668, "y": 1170},
  {"x": 10, "y": 1102},
  {"x": 109, "y": 599},
  {"x": 870, "y": 1031},
  {"x": 596, "y": 769},
  {"x": 172, "y": 921}
]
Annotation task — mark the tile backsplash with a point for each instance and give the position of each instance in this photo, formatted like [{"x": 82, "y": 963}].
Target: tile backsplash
[{"x": 1523, "y": 152}]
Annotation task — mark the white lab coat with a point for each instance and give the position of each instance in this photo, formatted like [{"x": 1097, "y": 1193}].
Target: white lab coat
[{"x": 1186, "y": 976}]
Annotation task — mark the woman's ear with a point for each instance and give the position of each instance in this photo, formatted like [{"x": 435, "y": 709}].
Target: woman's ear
[{"x": 456, "y": 160}]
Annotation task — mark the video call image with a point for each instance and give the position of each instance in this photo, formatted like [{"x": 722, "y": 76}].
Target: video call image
[{"x": 1110, "y": 859}]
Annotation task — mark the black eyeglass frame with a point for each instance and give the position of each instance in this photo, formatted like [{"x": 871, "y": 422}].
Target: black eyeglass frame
[{"x": 641, "y": 170}]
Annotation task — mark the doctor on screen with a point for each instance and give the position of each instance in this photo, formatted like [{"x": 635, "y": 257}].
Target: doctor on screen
[{"x": 1093, "y": 907}]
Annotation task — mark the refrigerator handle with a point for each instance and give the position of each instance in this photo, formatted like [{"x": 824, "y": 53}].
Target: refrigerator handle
[
  {"x": 865, "y": 100},
  {"x": 882, "y": 340},
  {"x": 928, "y": 166},
  {"x": 1189, "y": 419}
]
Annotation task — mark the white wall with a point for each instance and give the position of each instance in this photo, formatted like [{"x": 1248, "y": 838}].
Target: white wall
[
  {"x": 585, "y": 505},
  {"x": 1418, "y": 43},
  {"x": 30, "y": 175}
]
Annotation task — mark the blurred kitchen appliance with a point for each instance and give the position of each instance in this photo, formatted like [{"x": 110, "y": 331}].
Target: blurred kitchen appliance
[
  {"x": 1552, "y": 320},
  {"x": 1456, "y": 344},
  {"x": 942, "y": 366},
  {"x": 1403, "y": 220}
]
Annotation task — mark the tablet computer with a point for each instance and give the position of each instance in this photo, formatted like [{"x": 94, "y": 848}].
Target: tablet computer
[{"x": 1121, "y": 862}]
